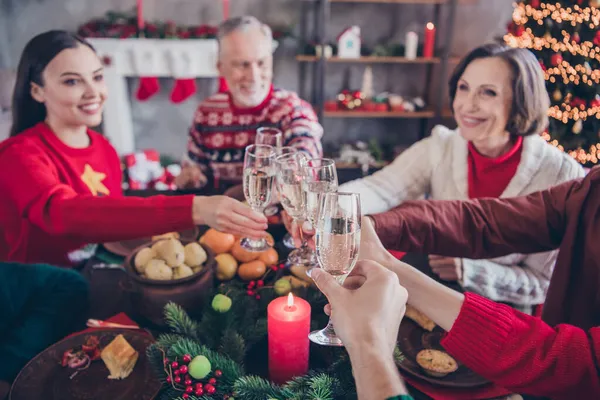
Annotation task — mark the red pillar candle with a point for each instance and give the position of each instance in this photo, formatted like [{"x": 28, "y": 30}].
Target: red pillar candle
[
  {"x": 429, "y": 44},
  {"x": 288, "y": 329},
  {"x": 140, "y": 15}
]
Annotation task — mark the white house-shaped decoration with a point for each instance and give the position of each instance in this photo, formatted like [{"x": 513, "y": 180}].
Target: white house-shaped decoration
[{"x": 349, "y": 43}]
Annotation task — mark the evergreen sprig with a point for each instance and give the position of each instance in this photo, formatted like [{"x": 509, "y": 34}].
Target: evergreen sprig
[{"x": 179, "y": 321}]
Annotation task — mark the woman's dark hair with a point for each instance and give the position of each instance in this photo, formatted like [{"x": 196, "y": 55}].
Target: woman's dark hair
[
  {"x": 36, "y": 56},
  {"x": 529, "y": 109}
]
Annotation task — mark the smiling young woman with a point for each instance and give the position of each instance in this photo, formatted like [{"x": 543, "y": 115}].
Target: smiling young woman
[
  {"x": 61, "y": 181},
  {"x": 500, "y": 104}
]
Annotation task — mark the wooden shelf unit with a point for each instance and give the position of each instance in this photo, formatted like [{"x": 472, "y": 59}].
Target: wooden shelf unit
[{"x": 433, "y": 95}]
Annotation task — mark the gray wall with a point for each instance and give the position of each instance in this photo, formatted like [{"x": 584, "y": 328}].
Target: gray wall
[{"x": 476, "y": 23}]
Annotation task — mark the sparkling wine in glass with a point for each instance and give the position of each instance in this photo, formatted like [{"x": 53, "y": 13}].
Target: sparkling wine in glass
[
  {"x": 319, "y": 176},
  {"x": 291, "y": 194},
  {"x": 271, "y": 136},
  {"x": 259, "y": 173},
  {"x": 337, "y": 243}
]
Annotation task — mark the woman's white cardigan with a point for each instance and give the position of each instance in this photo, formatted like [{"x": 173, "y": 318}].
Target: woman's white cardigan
[{"x": 436, "y": 167}]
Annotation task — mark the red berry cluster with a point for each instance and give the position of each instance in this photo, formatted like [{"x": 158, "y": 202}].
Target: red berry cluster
[
  {"x": 254, "y": 287},
  {"x": 276, "y": 268},
  {"x": 181, "y": 377}
]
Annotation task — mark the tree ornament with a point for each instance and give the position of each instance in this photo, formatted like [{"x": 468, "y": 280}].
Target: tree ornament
[
  {"x": 547, "y": 36},
  {"x": 200, "y": 367},
  {"x": 578, "y": 127},
  {"x": 221, "y": 303},
  {"x": 535, "y": 3},
  {"x": 556, "y": 59},
  {"x": 557, "y": 95},
  {"x": 576, "y": 37}
]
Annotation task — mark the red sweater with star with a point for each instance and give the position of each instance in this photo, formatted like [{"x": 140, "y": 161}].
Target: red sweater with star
[
  {"x": 489, "y": 177},
  {"x": 56, "y": 199},
  {"x": 221, "y": 131}
]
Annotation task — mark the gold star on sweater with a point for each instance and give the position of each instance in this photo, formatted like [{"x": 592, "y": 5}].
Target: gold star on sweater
[{"x": 93, "y": 180}]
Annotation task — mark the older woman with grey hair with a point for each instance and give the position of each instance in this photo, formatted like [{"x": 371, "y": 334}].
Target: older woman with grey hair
[{"x": 500, "y": 104}]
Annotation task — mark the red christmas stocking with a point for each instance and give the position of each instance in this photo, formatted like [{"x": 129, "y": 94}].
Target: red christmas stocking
[
  {"x": 223, "y": 85},
  {"x": 183, "y": 89},
  {"x": 147, "y": 88}
]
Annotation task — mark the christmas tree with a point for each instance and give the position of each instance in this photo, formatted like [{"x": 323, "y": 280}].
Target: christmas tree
[{"x": 565, "y": 38}]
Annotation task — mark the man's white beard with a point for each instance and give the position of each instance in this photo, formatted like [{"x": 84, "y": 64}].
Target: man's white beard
[{"x": 253, "y": 100}]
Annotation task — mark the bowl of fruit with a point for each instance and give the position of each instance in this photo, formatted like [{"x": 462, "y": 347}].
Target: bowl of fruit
[{"x": 169, "y": 269}]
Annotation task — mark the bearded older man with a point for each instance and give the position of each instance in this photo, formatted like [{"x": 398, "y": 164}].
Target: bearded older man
[{"x": 226, "y": 122}]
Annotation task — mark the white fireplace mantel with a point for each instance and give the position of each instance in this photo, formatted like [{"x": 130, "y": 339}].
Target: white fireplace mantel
[{"x": 127, "y": 58}]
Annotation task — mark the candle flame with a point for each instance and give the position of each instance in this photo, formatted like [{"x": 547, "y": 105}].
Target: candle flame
[
  {"x": 430, "y": 25},
  {"x": 290, "y": 300}
]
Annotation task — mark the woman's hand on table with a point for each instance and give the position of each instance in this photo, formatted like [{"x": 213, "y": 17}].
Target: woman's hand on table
[
  {"x": 447, "y": 268},
  {"x": 229, "y": 215},
  {"x": 191, "y": 177}
]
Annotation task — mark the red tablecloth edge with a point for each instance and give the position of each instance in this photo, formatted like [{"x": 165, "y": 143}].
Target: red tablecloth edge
[{"x": 444, "y": 393}]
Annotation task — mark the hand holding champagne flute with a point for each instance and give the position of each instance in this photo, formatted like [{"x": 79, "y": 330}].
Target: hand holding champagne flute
[
  {"x": 337, "y": 244},
  {"x": 259, "y": 172},
  {"x": 289, "y": 185}
]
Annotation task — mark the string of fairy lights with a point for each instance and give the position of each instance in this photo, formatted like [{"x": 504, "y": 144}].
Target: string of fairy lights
[{"x": 563, "y": 70}]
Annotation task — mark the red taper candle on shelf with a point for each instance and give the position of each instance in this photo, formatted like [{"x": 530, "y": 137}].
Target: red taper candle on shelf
[
  {"x": 288, "y": 329},
  {"x": 140, "y": 15},
  {"x": 429, "y": 44}
]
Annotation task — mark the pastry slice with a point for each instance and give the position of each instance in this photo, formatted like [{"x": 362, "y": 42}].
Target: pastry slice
[
  {"x": 119, "y": 357},
  {"x": 420, "y": 318}
]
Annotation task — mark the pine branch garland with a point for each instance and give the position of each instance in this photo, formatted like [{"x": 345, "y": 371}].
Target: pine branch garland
[
  {"x": 322, "y": 387},
  {"x": 256, "y": 388},
  {"x": 233, "y": 345},
  {"x": 178, "y": 320}
]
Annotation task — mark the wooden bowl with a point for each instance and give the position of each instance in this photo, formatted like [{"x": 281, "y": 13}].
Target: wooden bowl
[{"x": 148, "y": 297}]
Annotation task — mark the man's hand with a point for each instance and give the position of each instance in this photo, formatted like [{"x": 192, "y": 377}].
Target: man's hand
[
  {"x": 371, "y": 247},
  {"x": 447, "y": 268},
  {"x": 367, "y": 311},
  {"x": 191, "y": 177}
]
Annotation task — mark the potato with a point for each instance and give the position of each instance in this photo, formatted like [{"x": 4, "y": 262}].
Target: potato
[
  {"x": 252, "y": 270},
  {"x": 198, "y": 269},
  {"x": 183, "y": 271},
  {"x": 168, "y": 235},
  {"x": 172, "y": 252},
  {"x": 158, "y": 270},
  {"x": 142, "y": 258},
  {"x": 194, "y": 254}
]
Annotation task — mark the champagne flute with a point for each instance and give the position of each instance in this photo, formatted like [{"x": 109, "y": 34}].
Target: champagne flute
[
  {"x": 337, "y": 243},
  {"x": 268, "y": 135},
  {"x": 319, "y": 176},
  {"x": 289, "y": 185},
  {"x": 259, "y": 172}
]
